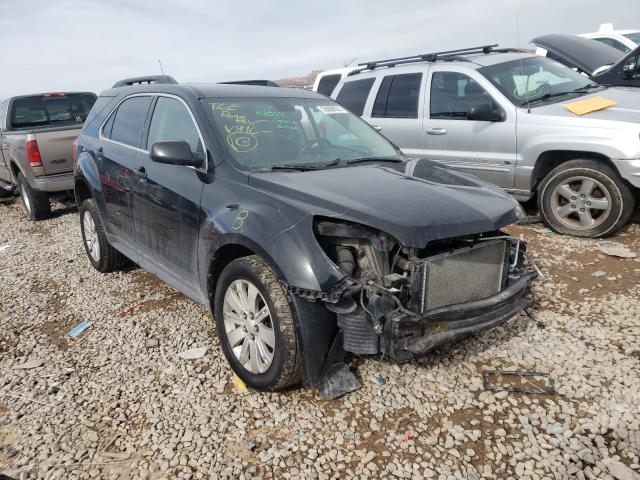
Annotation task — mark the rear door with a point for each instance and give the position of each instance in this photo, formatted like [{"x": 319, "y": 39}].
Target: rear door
[
  {"x": 119, "y": 158},
  {"x": 482, "y": 148},
  {"x": 167, "y": 197},
  {"x": 396, "y": 110},
  {"x": 56, "y": 120}
]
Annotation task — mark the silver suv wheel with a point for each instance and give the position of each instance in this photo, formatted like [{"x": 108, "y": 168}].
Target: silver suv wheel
[
  {"x": 91, "y": 235},
  {"x": 581, "y": 203},
  {"x": 248, "y": 326}
]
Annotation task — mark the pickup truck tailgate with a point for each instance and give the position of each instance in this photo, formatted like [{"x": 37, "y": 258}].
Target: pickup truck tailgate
[{"x": 56, "y": 149}]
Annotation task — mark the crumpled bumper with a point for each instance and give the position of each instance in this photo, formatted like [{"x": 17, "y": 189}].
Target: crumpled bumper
[{"x": 409, "y": 336}]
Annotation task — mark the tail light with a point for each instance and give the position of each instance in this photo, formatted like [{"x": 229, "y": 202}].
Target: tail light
[
  {"x": 74, "y": 148},
  {"x": 33, "y": 154}
]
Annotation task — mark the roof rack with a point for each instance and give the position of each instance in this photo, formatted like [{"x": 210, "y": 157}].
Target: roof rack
[
  {"x": 150, "y": 79},
  {"x": 447, "y": 55},
  {"x": 262, "y": 83}
]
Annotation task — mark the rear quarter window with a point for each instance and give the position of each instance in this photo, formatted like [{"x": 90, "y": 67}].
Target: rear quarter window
[
  {"x": 50, "y": 110},
  {"x": 328, "y": 83},
  {"x": 353, "y": 95},
  {"x": 398, "y": 96}
]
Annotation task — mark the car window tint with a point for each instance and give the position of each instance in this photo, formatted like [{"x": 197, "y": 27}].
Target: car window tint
[
  {"x": 328, "y": 83},
  {"x": 106, "y": 130},
  {"x": 453, "y": 94},
  {"x": 51, "y": 109},
  {"x": 398, "y": 96},
  {"x": 171, "y": 121},
  {"x": 614, "y": 43},
  {"x": 353, "y": 95},
  {"x": 129, "y": 121}
]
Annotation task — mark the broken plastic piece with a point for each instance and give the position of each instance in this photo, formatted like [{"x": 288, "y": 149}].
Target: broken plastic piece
[
  {"x": 240, "y": 385},
  {"x": 3, "y": 247},
  {"x": 338, "y": 380},
  {"x": 78, "y": 329},
  {"x": 193, "y": 354},
  {"x": 615, "y": 249},
  {"x": 544, "y": 382},
  {"x": 131, "y": 309},
  {"x": 599, "y": 273}
]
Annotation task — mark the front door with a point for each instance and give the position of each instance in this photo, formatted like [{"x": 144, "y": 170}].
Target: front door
[
  {"x": 482, "y": 148},
  {"x": 167, "y": 197}
]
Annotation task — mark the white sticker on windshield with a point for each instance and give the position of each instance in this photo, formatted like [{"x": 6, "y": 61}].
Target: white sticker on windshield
[{"x": 329, "y": 109}]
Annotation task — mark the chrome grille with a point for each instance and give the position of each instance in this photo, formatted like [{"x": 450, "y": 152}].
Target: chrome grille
[{"x": 463, "y": 275}]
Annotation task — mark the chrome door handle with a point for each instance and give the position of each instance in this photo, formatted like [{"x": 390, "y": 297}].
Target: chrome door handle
[
  {"x": 377, "y": 127},
  {"x": 436, "y": 131}
]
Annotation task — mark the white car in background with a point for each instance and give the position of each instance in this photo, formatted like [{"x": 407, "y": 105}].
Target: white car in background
[
  {"x": 326, "y": 81},
  {"x": 623, "y": 40}
]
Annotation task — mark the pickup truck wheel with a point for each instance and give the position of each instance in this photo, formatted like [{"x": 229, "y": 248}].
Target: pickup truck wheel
[
  {"x": 255, "y": 325},
  {"x": 35, "y": 202},
  {"x": 102, "y": 256},
  {"x": 585, "y": 198}
]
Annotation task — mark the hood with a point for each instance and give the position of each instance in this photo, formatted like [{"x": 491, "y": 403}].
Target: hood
[
  {"x": 577, "y": 52},
  {"x": 627, "y": 109},
  {"x": 416, "y": 202}
]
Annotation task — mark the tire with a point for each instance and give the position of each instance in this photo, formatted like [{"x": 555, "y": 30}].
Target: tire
[
  {"x": 35, "y": 202},
  {"x": 284, "y": 369},
  {"x": 585, "y": 198},
  {"x": 102, "y": 255}
]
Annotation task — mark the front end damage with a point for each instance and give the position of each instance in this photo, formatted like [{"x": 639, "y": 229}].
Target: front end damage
[{"x": 402, "y": 301}]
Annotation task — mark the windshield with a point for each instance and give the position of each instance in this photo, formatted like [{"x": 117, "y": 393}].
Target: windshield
[
  {"x": 51, "y": 110},
  {"x": 634, "y": 37},
  {"x": 263, "y": 133},
  {"x": 532, "y": 79}
]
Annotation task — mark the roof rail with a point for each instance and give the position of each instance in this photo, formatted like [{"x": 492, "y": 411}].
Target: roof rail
[
  {"x": 263, "y": 83},
  {"x": 428, "y": 57},
  {"x": 162, "y": 79}
]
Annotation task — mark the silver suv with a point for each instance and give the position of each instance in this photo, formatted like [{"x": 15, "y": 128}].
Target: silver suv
[{"x": 500, "y": 114}]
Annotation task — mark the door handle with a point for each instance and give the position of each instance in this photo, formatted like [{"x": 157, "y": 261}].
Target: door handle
[
  {"x": 377, "y": 128},
  {"x": 140, "y": 172},
  {"x": 436, "y": 131}
]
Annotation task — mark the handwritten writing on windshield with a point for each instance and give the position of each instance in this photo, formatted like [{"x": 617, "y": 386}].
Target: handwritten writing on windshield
[{"x": 241, "y": 133}]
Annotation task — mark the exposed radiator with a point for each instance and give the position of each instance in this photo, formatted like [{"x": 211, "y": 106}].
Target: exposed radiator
[{"x": 463, "y": 275}]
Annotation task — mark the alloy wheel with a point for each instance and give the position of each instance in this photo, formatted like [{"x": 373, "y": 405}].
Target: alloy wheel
[
  {"x": 91, "y": 236},
  {"x": 581, "y": 203},
  {"x": 248, "y": 326}
]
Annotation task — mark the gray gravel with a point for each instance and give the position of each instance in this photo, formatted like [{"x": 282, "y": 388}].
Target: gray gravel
[{"x": 118, "y": 402}]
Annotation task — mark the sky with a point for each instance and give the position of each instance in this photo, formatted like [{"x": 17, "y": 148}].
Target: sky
[{"x": 87, "y": 45}]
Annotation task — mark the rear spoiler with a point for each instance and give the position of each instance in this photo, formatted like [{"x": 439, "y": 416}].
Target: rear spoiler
[{"x": 150, "y": 79}]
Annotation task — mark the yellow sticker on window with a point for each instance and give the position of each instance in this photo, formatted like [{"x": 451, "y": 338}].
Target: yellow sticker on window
[{"x": 589, "y": 105}]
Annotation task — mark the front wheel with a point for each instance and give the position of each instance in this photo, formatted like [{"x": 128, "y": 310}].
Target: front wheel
[
  {"x": 256, "y": 327},
  {"x": 585, "y": 198}
]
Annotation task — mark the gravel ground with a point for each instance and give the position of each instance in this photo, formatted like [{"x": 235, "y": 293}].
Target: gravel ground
[{"x": 118, "y": 402}]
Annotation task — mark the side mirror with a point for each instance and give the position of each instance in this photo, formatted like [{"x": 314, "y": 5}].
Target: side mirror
[
  {"x": 175, "y": 153},
  {"x": 484, "y": 112}
]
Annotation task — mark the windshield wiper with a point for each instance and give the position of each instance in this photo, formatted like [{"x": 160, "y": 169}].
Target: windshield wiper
[
  {"x": 374, "y": 159},
  {"x": 307, "y": 166},
  {"x": 547, "y": 96},
  {"x": 587, "y": 87}
]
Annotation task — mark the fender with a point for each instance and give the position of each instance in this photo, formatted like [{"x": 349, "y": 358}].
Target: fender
[{"x": 87, "y": 170}]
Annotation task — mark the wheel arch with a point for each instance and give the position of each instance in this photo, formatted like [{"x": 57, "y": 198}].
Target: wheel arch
[{"x": 549, "y": 160}]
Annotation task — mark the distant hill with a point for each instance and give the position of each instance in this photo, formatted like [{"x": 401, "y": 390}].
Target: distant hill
[{"x": 299, "y": 81}]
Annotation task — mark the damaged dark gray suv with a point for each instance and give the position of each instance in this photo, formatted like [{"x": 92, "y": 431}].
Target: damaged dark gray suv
[{"x": 304, "y": 231}]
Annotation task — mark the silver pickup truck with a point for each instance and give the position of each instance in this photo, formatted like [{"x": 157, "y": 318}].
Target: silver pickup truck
[{"x": 37, "y": 134}]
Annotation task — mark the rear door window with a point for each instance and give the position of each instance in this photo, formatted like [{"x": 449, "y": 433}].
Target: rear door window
[
  {"x": 328, "y": 83},
  {"x": 51, "y": 110},
  {"x": 398, "y": 96},
  {"x": 353, "y": 95},
  {"x": 171, "y": 121},
  {"x": 128, "y": 121}
]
